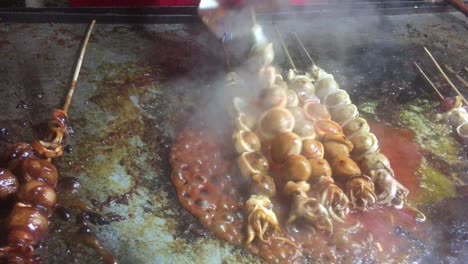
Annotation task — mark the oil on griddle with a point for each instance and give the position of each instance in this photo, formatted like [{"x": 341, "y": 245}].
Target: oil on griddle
[{"x": 140, "y": 85}]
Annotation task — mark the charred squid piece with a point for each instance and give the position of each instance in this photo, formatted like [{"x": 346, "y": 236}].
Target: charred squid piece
[
  {"x": 365, "y": 143},
  {"x": 260, "y": 216},
  {"x": 35, "y": 169},
  {"x": 51, "y": 145},
  {"x": 28, "y": 222},
  {"x": 458, "y": 116},
  {"x": 246, "y": 141},
  {"x": 305, "y": 129},
  {"x": 315, "y": 72},
  {"x": 448, "y": 105},
  {"x": 336, "y": 145},
  {"x": 344, "y": 113},
  {"x": 274, "y": 122},
  {"x": 374, "y": 161},
  {"x": 273, "y": 96},
  {"x": 307, "y": 209},
  {"x": 302, "y": 126},
  {"x": 332, "y": 198},
  {"x": 27, "y": 226},
  {"x": 297, "y": 168},
  {"x": 8, "y": 184},
  {"x": 336, "y": 99},
  {"x": 293, "y": 99},
  {"x": 38, "y": 194},
  {"x": 302, "y": 84},
  {"x": 361, "y": 192},
  {"x": 345, "y": 168},
  {"x": 320, "y": 168},
  {"x": 251, "y": 163},
  {"x": 359, "y": 188},
  {"x": 315, "y": 111},
  {"x": 393, "y": 192},
  {"x": 244, "y": 122},
  {"x": 356, "y": 126},
  {"x": 378, "y": 167},
  {"x": 263, "y": 184},
  {"x": 304, "y": 89},
  {"x": 326, "y": 86},
  {"x": 324, "y": 126},
  {"x": 312, "y": 149},
  {"x": 16, "y": 153},
  {"x": 285, "y": 145},
  {"x": 243, "y": 114}
]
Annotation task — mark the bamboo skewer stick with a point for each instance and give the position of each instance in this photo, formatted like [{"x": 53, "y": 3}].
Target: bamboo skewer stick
[
  {"x": 253, "y": 16},
  {"x": 226, "y": 58},
  {"x": 429, "y": 81},
  {"x": 456, "y": 75},
  {"x": 291, "y": 62},
  {"x": 304, "y": 48},
  {"x": 445, "y": 76},
  {"x": 78, "y": 68}
]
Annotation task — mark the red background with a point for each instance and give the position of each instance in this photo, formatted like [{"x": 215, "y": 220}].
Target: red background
[
  {"x": 132, "y": 3},
  {"x": 143, "y": 3}
]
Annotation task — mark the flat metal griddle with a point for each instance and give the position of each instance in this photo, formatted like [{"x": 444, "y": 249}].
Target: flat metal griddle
[{"x": 141, "y": 83}]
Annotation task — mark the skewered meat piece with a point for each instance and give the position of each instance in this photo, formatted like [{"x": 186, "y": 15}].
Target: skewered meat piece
[
  {"x": 392, "y": 192},
  {"x": 297, "y": 168},
  {"x": 8, "y": 183},
  {"x": 39, "y": 194},
  {"x": 315, "y": 111},
  {"x": 273, "y": 96},
  {"x": 320, "y": 168},
  {"x": 324, "y": 126},
  {"x": 260, "y": 216},
  {"x": 332, "y": 198},
  {"x": 35, "y": 169},
  {"x": 27, "y": 224},
  {"x": 246, "y": 141},
  {"x": 274, "y": 122},
  {"x": 263, "y": 184},
  {"x": 251, "y": 163},
  {"x": 18, "y": 152},
  {"x": 336, "y": 145},
  {"x": 312, "y": 149},
  {"x": 285, "y": 145},
  {"x": 307, "y": 208}
]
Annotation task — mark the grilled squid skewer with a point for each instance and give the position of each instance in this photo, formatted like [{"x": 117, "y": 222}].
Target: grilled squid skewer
[
  {"x": 254, "y": 166},
  {"x": 307, "y": 208},
  {"x": 376, "y": 167},
  {"x": 28, "y": 222}
]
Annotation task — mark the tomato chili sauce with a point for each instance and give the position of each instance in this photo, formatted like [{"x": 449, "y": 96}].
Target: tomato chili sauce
[{"x": 209, "y": 186}]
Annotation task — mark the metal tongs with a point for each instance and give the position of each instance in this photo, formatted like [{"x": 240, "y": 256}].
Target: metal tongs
[{"x": 227, "y": 19}]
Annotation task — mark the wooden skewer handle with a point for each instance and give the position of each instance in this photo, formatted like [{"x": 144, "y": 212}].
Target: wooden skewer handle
[
  {"x": 445, "y": 76},
  {"x": 459, "y": 5},
  {"x": 78, "y": 68}
]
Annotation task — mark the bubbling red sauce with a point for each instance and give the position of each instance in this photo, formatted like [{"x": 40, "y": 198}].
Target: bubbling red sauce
[
  {"x": 209, "y": 186},
  {"x": 404, "y": 154}
]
